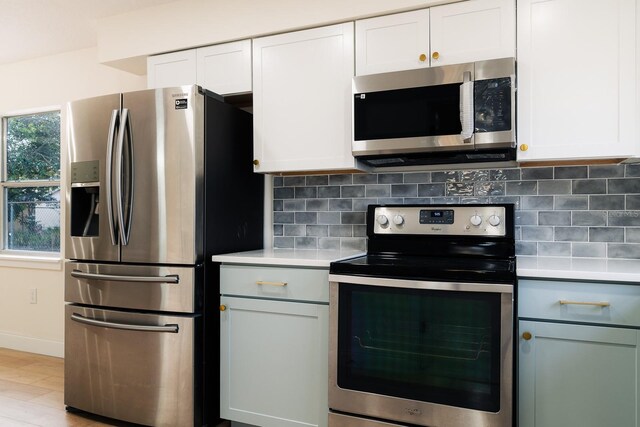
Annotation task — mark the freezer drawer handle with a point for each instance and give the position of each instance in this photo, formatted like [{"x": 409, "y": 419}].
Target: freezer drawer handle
[
  {"x": 143, "y": 328},
  {"x": 172, "y": 278}
]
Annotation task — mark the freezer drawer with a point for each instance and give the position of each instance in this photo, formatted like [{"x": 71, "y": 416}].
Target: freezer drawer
[
  {"x": 154, "y": 288},
  {"x": 131, "y": 366}
]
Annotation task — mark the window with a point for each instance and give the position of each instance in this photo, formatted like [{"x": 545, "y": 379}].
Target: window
[{"x": 30, "y": 182}]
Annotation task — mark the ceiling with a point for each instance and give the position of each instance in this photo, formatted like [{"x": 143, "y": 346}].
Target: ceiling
[{"x": 33, "y": 28}]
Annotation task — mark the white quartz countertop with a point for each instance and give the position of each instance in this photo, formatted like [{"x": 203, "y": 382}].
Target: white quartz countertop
[
  {"x": 294, "y": 257},
  {"x": 528, "y": 267},
  {"x": 603, "y": 270}
]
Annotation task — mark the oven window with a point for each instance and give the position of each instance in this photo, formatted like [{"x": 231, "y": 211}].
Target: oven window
[
  {"x": 431, "y": 346},
  {"x": 405, "y": 113}
]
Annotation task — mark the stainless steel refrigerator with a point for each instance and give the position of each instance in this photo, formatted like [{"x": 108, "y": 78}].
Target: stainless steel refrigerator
[{"x": 157, "y": 182}]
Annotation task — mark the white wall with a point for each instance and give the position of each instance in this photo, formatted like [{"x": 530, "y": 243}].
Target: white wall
[{"x": 29, "y": 85}]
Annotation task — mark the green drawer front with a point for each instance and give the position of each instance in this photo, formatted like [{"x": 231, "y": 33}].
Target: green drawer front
[
  {"x": 291, "y": 283},
  {"x": 601, "y": 303}
]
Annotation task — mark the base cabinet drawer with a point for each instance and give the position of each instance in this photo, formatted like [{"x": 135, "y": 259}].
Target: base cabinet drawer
[
  {"x": 581, "y": 302},
  {"x": 273, "y": 362},
  {"x": 287, "y": 283}
]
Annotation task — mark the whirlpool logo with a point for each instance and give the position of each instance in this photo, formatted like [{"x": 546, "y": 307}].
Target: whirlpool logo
[{"x": 413, "y": 411}]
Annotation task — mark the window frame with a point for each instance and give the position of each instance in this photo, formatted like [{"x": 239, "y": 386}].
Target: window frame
[{"x": 16, "y": 257}]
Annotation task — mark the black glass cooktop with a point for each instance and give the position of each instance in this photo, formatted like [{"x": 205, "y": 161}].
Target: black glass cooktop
[{"x": 484, "y": 270}]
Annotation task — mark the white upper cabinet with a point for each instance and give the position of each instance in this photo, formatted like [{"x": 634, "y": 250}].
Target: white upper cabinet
[
  {"x": 171, "y": 69},
  {"x": 302, "y": 100},
  {"x": 467, "y": 31},
  {"x": 577, "y": 79},
  {"x": 473, "y": 30},
  {"x": 224, "y": 69},
  {"x": 392, "y": 43}
]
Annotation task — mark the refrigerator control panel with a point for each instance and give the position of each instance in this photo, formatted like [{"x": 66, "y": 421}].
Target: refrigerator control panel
[{"x": 85, "y": 171}]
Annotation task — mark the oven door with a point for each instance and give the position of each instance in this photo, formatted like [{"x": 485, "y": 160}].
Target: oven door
[{"x": 425, "y": 353}]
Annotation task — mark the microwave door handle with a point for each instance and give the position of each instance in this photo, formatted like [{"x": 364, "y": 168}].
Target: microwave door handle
[{"x": 466, "y": 108}]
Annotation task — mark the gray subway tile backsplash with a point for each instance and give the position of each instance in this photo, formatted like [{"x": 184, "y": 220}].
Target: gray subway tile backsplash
[
  {"x": 352, "y": 191},
  {"x": 606, "y": 202},
  {"x": 606, "y": 171},
  {"x": 593, "y": 218},
  {"x": 589, "y": 250},
  {"x": 554, "y": 218},
  {"x": 624, "y": 186},
  {"x": 570, "y": 172},
  {"x": 578, "y": 211},
  {"x": 589, "y": 186},
  {"x": 632, "y": 202},
  {"x": 558, "y": 186},
  {"x": 537, "y": 173}
]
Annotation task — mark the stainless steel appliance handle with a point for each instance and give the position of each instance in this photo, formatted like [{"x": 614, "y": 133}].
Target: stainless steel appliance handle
[
  {"x": 466, "y": 107},
  {"x": 116, "y": 278},
  {"x": 143, "y": 328},
  {"x": 109, "y": 170},
  {"x": 125, "y": 128},
  {"x": 422, "y": 284}
]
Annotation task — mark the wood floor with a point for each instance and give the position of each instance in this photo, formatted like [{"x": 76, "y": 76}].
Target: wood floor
[{"x": 31, "y": 393}]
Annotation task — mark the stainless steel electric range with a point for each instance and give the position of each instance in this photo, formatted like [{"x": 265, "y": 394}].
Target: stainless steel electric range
[{"x": 422, "y": 326}]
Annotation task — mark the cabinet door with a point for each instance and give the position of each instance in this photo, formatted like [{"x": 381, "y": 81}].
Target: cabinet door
[
  {"x": 273, "y": 362},
  {"x": 302, "y": 100},
  {"x": 225, "y": 68},
  {"x": 473, "y": 31},
  {"x": 171, "y": 69},
  {"x": 392, "y": 43},
  {"x": 577, "y": 376},
  {"x": 577, "y": 82}
]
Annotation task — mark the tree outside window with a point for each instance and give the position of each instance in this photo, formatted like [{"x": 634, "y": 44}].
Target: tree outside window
[{"x": 31, "y": 184}]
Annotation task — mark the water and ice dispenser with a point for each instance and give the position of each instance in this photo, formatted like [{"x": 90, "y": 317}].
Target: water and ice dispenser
[{"x": 85, "y": 198}]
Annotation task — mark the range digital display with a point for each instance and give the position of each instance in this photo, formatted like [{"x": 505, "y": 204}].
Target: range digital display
[{"x": 436, "y": 216}]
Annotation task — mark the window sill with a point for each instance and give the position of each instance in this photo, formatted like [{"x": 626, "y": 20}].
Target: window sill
[{"x": 34, "y": 262}]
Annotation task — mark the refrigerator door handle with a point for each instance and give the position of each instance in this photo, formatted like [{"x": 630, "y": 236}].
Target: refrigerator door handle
[
  {"x": 116, "y": 278},
  {"x": 125, "y": 129},
  {"x": 142, "y": 328},
  {"x": 115, "y": 115}
]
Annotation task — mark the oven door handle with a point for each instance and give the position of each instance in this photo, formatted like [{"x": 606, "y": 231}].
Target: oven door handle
[
  {"x": 128, "y": 327},
  {"x": 172, "y": 278}
]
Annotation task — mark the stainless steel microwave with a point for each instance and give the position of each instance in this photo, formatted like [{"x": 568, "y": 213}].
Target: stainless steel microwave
[{"x": 463, "y": 113}]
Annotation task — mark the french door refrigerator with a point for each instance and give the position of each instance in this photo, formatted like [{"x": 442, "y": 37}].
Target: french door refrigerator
[{"x": 158, "y": 181}]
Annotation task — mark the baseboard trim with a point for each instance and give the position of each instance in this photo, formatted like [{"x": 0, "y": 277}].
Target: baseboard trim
[{"x": 32, "y": 345}]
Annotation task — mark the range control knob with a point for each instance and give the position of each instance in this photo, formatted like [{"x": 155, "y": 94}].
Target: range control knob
[
  {"x": 494, "y": 220},
  {"x": 382, "y": 220},
  {"x": 398, "y": 220},
  {"x": 475, "y": 220}
]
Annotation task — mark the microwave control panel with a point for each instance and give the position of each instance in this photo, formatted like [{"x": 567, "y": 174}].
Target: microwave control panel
[{"x": 440, "y": 220}]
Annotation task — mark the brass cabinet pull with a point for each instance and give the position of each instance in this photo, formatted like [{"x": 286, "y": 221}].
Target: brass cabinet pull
[
  {"x": 597, "y": 304},
  {"x": 435, "y": 55},
  {"x": 256, "y": 162},
  {"x": 422, "y": 57},
  {"x": 261, "y": 282},
  {"x": 526, "y": 336},
  {"x": 223, "y": 307},
  {"x": 524, "y": 147}
]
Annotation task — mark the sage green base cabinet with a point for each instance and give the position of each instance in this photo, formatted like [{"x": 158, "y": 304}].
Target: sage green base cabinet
[
  {"x": 274, "y": 345},
  {"x": 577, "y": 366}
]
